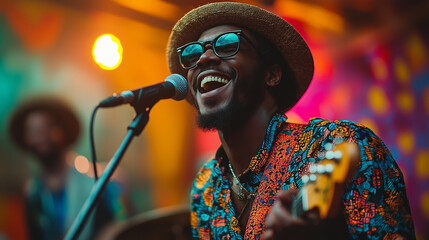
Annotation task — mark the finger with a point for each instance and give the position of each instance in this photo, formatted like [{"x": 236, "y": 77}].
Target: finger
[
  {"x": 268, "y": 235},
  {"x": 278, "y": 214},
  {"x": 312, "y": 216},
  {"x": 280, "y": 219},
  {"x": 287, "y": 197}
]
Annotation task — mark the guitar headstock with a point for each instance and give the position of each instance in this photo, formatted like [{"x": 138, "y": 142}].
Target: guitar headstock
[{"x": 325, "y": 184}]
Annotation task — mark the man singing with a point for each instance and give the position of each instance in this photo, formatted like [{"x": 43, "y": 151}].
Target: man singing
[{"x": 246, "y": 67}]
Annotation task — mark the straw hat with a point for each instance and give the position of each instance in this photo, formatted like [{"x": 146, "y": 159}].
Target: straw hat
[{"x": 288, "y": 41}]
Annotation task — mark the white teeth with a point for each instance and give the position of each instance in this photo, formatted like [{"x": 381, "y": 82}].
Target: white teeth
[{"x": 213, "y": 79}]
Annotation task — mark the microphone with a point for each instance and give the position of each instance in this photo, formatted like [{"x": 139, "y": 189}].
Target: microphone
[{"x": 175, "y": 86}]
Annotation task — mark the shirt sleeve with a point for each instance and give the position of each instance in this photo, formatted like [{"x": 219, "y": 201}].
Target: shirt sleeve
[
  {"x": 376, "y": 204},
  {"x": 200, "y": 203}
]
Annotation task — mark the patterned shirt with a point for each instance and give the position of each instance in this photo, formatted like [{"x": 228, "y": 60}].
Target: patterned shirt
[{"x": 375, "y": 202}]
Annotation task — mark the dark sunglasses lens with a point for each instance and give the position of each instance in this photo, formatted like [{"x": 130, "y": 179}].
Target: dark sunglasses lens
[
  {"x": 227, "y": 45},
  {"x": 191, "y": 54}
]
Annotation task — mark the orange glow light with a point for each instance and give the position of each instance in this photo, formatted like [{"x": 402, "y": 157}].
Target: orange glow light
[
  {"x": 107, "y": 52},
  {"x": 152, "y": 7},
  {"x": 378, "y": 101},
  {"x": 314, "y": 15},
  {"x": 81, "y": 164}
]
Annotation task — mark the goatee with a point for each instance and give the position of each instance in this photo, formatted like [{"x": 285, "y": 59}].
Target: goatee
[
  {"x": 234, "y": 115},
  {"x": 224, "y": 119},
  {"x": 237, "y": 112}
]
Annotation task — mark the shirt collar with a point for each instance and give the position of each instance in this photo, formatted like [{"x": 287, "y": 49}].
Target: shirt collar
[{"x": 258, "y": 161}]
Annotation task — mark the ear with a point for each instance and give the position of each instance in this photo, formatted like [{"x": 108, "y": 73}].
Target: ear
[{"x": 273, "y": 75}]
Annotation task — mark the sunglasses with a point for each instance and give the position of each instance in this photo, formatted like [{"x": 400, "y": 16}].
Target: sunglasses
[{"x": 225, "y": 45}]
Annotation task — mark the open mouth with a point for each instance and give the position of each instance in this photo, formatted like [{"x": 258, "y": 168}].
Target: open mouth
[{"x": 210, "y": 83}]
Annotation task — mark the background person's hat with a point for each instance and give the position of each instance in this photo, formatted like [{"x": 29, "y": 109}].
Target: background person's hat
[
  {"x": 61, "y": 112},
  {"x": 288, "y": 41}
]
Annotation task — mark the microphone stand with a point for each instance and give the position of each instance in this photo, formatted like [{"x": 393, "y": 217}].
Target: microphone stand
[{"x": 134, "y": 129}]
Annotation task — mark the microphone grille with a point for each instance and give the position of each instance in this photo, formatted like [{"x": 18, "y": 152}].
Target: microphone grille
[{"x": 180, "y": 85}]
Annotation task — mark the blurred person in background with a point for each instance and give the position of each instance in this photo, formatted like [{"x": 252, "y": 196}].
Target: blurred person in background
[{"x": 46, "y": 128}]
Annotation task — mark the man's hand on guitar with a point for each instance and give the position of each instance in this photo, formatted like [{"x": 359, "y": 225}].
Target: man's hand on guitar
[
  {"x": 281, "y": 224},
  {"x": 316, "y": 211}
]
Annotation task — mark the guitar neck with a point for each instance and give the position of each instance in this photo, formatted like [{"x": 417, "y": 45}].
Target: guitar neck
[
  {"x": 324, "y": 187},
  {"x": 300, "y": 204}
]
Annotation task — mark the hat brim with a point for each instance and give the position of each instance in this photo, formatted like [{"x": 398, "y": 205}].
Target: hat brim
[
  {"x": 288, "y": 41},
  {"x": 56, "y": 108}
]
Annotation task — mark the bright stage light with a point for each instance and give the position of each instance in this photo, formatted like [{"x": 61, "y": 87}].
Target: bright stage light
[{"x": 107, "y": 52}]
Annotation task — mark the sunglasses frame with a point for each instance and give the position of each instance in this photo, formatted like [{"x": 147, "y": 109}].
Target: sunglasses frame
[{"x": 211, "y": 42}]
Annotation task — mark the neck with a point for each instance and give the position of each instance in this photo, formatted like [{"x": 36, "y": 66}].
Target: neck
[
  {"x": 54, "y": 174},
  {"x": 242, "y": 143}
]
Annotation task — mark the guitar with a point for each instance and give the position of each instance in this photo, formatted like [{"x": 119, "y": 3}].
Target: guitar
[{"x": 324, "y": 186}]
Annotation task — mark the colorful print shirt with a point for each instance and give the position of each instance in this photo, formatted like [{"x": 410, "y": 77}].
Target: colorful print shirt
[{"x": 375, "y": 202}]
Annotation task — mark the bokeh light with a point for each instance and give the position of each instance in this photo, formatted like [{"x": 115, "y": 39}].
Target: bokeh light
[
  {"x": 425, "y": 202},
  {"x": 378, "y": 100},
  {"x": 107, "y": 52},
  {"x": 416, "y": 51},
  {"x": 422, "y": 164},
  {"x": 379, "y": 68},
  {"x": 406, "y": 142},
  {"x": 81, "y": 164},
  {"x": 401, "y": 71},
  {"x": 405, "y": 101}
]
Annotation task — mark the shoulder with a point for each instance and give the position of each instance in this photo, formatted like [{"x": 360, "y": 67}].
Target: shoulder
[
  {"x": 375, "y": 157},
  {"x": 320, "y": 131},
  {"x": 338, "y": 127},
  {"x": 344, "y": 129}
]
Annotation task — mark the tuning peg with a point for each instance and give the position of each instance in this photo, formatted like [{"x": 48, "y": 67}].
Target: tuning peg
[
  {"x": 329, "y": 168},
  {"x": 338, "y": 154},
  {"x": 329, "y": 155},
  {"x": 305, "y": 179},
  {"x": 313, "y": 168},
  {"x": 328, "y": 146},
  {"x": 320, "y": 169}
]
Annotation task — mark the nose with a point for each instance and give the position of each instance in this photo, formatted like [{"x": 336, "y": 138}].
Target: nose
[{"x": 208, "y": 57}]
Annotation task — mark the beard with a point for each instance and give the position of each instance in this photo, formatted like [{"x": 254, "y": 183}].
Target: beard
[
  {"x": 49, "y": 158},
  {"x": 237, "y": 112},
  {"x": 224, "y": 119}
]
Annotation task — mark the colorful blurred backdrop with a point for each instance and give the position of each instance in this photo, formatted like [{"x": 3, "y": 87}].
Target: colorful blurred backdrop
[{"x": 372, "y": 67}]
